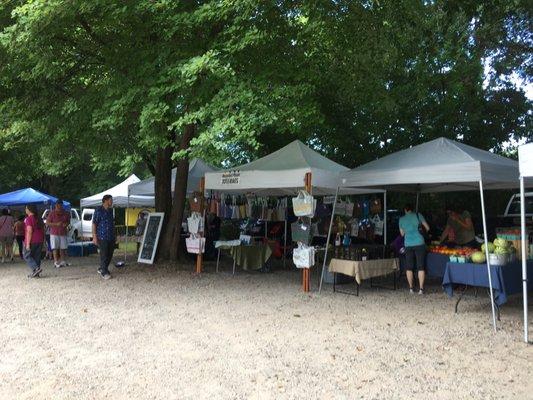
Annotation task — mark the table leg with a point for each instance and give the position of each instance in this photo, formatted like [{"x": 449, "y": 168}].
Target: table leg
[
  {"x": 234, "y": 265},
  {"x": 218, "y": 260},
  {"x": 334, "y": 282},
  {"x": 460, "y": 298}
]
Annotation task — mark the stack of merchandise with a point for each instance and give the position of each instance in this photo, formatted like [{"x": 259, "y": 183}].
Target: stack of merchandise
[{"x": 241, "y": 207}]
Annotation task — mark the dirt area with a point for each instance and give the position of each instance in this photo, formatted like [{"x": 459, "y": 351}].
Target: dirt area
[{"x": 158, "y": 333}]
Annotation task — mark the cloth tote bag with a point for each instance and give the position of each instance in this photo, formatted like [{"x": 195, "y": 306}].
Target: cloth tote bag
[
  {"x": 195, "y": 244},
  {"x": 195, "y": 223},
  {"x": 303, "y": 204},
  {"x": 301, "y": 232},
  {"x": 303, "y": 256}
]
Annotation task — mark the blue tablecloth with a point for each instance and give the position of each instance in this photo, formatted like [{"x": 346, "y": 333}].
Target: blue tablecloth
[
  {"x": 506, "y": 280},
  {"x": 435, "y": 264}
]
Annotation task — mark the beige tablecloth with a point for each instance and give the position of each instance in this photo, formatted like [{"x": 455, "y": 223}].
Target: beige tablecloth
[{"x": 362, "y": 270}]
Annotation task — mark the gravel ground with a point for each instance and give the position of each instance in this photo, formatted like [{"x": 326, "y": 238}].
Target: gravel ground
[{"x": 158, "y": 333}]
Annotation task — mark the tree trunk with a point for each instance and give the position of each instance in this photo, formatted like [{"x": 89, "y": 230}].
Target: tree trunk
[
  {"x": 170, "y": 249},
  {"x": 163, "y": 173}
]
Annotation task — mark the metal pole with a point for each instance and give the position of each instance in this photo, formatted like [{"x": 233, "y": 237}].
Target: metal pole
[
  {"x": 285, "y": 245},
  {"x": 327, "y": 240},
  {"x": 417, "y": 199},
  {"x": 126, "y": 219},
  {"x": 385, "y": 218},
  {"x": 524, "y": 256},
  {"x": 81, "y": 229},
  {"x": 485, "y": 233}
]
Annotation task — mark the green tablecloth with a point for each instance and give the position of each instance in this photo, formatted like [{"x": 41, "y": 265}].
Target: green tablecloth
[{"x": 251, "y": 257}]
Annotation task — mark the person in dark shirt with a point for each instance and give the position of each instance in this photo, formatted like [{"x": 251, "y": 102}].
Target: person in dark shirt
[{"x": 104, "y": 234}]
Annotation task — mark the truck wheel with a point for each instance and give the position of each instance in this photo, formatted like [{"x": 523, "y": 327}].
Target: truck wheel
[{"x": 75, "y": 236}]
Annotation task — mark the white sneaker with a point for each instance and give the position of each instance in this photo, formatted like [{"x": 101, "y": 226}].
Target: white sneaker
[{"x": 57, "y": 265}]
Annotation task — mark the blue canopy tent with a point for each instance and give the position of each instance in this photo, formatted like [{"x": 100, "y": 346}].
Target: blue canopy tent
[{"x": 20, "y": 198}]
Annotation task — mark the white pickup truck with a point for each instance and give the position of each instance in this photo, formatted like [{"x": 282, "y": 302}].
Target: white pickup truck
[{"x": 513, "y": 207}]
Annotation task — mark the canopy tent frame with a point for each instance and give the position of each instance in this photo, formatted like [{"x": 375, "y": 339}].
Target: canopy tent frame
[
  {"x": 525, "y": 155},
  {"x": 439, "y": 165},
  {"x": 282, "y": 174}
]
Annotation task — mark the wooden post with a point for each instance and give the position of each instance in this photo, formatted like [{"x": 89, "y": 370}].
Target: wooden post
[
  {"x": 306, "y": 277},
  {"x": 200, "y": 256}
]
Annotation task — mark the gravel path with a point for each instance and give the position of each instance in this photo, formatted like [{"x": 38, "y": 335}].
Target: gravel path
[{"x": 157, "y": 333}]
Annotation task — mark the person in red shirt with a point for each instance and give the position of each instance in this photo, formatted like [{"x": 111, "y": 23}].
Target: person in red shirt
[
  {"x": 33, "y": 241},
  {"x": 58, "y": 221}
]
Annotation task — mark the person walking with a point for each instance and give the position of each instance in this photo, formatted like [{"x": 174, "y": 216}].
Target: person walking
[
  {"x": 33, "y": 242},
  {"x": 6, "y": 235},
  {"x": 18, "y": 230},
  {"x": 415, "y": 246},
  {"x": 104, "y": 234},
  {"x": 58, "y": 221}
]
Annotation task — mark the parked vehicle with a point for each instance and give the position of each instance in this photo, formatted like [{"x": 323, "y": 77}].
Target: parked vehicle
[
  {"x": 87, "y": 222},
  {"x": 513, "y": 207}
]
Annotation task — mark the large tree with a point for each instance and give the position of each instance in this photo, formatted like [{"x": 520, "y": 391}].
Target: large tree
[{"x": 151, "y": 81}]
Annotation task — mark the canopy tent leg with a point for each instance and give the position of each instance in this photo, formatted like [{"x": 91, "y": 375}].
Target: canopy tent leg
[
  {"x": 417, "y": 201},
  {"x": 385, "y": 218},
  {"x": 126, "y": 219},
  {"x": 80, "y": 234},
  {"x": 524, "y": 256},
  {"x": 328, "y": 239},
  {"x": 285, "y": 244},
  {"x": 485, "y": 233}
]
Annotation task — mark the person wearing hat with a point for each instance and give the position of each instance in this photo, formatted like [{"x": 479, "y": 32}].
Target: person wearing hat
[{"x": 58, "y": 221}]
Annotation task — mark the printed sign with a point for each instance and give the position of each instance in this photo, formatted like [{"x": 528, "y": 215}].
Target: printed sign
[
  {"x": 525, "y": 156},
  {"x": 231, "y": 178}
]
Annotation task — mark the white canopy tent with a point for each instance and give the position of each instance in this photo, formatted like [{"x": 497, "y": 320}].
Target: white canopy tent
[
  {"x": 120, "y": 196},
  {"x": 440, "y": 165},
  {"x": 525, "y": 156},
  {"x": 197, "y": 169},
  {"x": 281, "y": 173}
]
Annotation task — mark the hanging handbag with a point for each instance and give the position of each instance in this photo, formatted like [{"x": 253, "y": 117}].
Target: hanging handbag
[
  {"x": 365, "y": 209},
  {"x": 357, "y": 210},
  {"x": 378, "y": 225},
  {"x": 195, "y": 202},
  {"x": 322, "y": 210},
  {"x": 422, "y": 229},
  {"x": 303, "y": 256},
  {"x": 375, "y": 206},
  {"x": 340, "y": 208},
  {"x": 349, "y": 208},
  {"x": 195, "y": 223},
  {"x": 304, "y": 204},
  {"x": 301, "y": 232},
  {"x": 195, "y": 244}
]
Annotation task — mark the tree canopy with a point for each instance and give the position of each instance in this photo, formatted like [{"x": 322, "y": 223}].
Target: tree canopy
[{"x": 91, "y": 91}]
